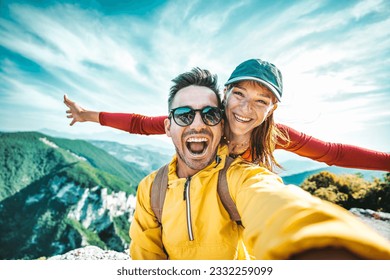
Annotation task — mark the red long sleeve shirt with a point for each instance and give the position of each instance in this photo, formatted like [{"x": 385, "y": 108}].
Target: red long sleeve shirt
[{"x": 301, "y": 144}]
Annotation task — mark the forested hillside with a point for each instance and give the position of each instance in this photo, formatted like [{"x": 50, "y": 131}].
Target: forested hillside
[
  {"x": 28, "y": 156},
  {"x": 58, "y": 194}
]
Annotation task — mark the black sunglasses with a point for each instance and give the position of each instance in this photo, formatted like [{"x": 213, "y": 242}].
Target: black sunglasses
[{"x": 184, "y": 116}]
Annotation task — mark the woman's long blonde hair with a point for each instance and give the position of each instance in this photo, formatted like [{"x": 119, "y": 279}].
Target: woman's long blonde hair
[{"x": 264, "y": 139}]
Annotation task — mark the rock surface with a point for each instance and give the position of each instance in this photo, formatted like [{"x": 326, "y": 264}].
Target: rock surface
[
  {"x": 92, "y": 253},
  {"x": 379, "y": 221}
]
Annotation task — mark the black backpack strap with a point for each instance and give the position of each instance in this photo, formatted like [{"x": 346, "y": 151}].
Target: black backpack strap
[
  {"x": 223, "y": 192},
  {"x": 158, "y": 191}
]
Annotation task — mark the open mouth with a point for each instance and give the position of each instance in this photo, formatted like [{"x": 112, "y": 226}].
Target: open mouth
[
  {"x": 241, "y": 118},
  {"x": 197, "y": 145}
]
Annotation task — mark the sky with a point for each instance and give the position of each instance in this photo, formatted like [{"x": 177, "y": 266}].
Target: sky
[{"x": 120, "y": 56}]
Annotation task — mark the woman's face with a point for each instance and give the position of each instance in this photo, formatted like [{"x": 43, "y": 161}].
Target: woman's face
[{"x": 248, "y": 104}]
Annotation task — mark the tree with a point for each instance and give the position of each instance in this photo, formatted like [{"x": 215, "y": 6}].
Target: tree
[{"x": 350, "y": 190}]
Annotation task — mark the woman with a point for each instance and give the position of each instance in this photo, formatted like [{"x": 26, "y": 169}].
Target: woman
[{"x": 251, "y": 96}]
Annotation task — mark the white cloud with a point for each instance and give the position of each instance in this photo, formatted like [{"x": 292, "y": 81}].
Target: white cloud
[
  {"x": 30, "y": 97},
  {"x": 64, "y": 37},
  {"x": 125, "y": 63},
  {"x": 363, "y": 8}
]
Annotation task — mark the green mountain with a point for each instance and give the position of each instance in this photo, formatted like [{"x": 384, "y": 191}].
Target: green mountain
[
  {"x": 59, "y": 194},
  {"x": 28, "y": 156}
]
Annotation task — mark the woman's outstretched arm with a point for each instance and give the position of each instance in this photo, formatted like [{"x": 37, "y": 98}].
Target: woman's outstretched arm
[
  {"x": 132, "y": 123},
  {"x": 342, "y": 155}
]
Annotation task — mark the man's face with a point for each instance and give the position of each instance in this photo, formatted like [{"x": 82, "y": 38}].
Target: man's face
[{"x": 196, "y": 144}]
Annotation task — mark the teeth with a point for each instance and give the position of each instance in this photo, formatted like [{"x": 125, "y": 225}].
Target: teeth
[
  {"x": 242, "y": 118},
  {"x": 193, "y": 139}
]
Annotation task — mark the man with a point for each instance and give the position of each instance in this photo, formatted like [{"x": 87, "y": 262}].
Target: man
[{"x": 278, "y": 221}]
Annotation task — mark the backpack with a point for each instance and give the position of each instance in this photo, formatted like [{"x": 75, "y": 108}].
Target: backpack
[{"x": 160, "y": 185}]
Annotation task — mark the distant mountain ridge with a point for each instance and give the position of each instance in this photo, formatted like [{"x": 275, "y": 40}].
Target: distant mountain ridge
[
  {"x": 147, "y": 158},
  {"x": 292, "y": 166},
  {"x": 117, "y": 136},
  {"x": 298, "y": 178}
]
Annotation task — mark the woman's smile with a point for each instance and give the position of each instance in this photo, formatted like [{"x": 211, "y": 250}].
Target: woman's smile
[{"x": 241, "y": 118}]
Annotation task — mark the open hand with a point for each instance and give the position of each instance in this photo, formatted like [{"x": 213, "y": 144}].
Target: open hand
[{"x": 75, "y": 112}]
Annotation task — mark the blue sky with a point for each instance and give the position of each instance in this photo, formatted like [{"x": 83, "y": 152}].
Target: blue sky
[{"x": 121, "y": 57}]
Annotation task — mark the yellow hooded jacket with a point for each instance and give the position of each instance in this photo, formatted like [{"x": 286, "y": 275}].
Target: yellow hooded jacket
[{"x": 278, "y": 220}]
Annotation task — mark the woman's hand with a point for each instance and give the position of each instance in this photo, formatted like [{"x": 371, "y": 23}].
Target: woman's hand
[{"x": 79, "y": 114}]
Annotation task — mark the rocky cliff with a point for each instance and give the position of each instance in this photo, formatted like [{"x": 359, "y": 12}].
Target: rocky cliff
[
  {"x": 58, "y": 195},
  {"x": 58, "y": 216}
]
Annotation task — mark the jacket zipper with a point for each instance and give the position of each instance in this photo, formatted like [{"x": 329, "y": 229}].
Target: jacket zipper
[{"x": 186, "y": 197}]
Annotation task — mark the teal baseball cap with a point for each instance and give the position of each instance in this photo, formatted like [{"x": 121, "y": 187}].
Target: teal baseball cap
[{"x": 261, "y": 71}]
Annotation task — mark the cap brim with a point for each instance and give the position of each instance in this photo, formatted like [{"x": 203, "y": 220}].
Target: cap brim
[{"x": 265, "y": 83}]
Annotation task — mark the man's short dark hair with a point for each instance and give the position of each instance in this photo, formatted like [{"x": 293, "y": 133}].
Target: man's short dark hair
[{"x": 195, "y": 77}]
